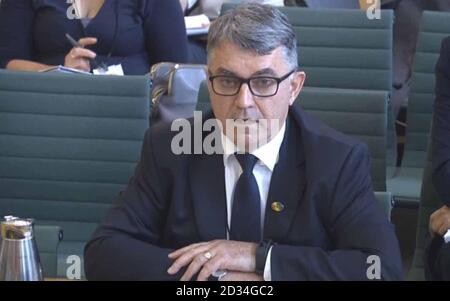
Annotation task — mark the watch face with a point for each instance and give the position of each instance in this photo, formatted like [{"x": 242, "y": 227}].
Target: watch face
[{"x": 219, "y": 274}]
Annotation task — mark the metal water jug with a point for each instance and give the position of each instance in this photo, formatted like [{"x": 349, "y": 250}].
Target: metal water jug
[{"x": 19, "y": 257}]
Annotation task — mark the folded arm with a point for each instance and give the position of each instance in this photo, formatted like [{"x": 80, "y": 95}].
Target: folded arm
[{"x": 126, "y": 246}]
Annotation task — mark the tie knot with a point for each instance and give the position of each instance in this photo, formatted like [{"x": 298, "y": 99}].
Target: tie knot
[{"x": 247, "y": 161}]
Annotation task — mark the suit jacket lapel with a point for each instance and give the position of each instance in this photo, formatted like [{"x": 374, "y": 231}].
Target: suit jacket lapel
[
  {"x": 207, "y": 180},
  {"x": 207, "y": 183},
  {"x": 287, "y": 185}
]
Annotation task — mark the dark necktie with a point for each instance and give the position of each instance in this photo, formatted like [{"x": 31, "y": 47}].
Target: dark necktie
[{"x": 246, "y": 212}]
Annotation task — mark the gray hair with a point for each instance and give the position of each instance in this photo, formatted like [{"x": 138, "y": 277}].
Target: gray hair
[{"x": 257, "y": 27}]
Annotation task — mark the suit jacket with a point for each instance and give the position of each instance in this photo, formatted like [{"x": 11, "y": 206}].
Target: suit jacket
[
  {"x": 437, "y": 260},
  {"x": 437, "y": 257},
  {"x": 441, "y": 125},
  {"x": 330, "y": 225}
]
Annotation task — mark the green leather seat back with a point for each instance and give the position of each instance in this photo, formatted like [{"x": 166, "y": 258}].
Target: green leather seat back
[
  {"x": 358, "y": 113},
  {"x": 406, "y": 183},
  {"x": 68, "y": 145},
  {"x": 384, "y": 198},
  {"x": 47, "y": 241}
]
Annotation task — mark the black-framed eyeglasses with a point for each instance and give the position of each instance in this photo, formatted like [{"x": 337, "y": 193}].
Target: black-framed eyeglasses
[{"x": 261, "y": 86}]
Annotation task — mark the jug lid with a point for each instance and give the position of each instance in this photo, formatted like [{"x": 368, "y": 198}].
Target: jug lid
[{"x": 16, "y": 228}]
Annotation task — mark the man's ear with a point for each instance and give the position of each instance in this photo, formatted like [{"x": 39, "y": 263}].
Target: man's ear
[{"x": 297, "y": 81}]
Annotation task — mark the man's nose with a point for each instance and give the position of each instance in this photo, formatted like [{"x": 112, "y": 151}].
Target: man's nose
[{"x": 244, "y": 99}]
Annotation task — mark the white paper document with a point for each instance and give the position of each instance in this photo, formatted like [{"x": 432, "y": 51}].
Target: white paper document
[
  {"x": 62, "y": 69},
  {"x": 196, "y": 24}
]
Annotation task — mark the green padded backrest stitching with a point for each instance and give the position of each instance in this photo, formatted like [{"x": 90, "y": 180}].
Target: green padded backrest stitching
[{"x": 69, "y": 144}]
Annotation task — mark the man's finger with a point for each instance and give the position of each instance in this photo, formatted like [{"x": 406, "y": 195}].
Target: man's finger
[
  {"x": 183, "y": 250},
  {"x": 194, "y": 267},
  {"x": 187, "y": 257},
  {"x": 209, "y": 268}
]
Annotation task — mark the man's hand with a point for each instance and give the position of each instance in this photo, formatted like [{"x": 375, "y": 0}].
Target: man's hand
[
  {"x": 440, "y": 221},
  {"x": 208, "y": 257}
]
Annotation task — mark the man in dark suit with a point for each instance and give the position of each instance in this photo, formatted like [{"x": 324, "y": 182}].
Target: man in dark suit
[
  {"x": 438, "y": 251},
  {"x": 299, "y": 207},
  {"x": 441, "y": 125}
]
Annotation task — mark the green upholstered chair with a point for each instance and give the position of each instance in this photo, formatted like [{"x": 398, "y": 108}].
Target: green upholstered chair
[
  {"x": 47, "y": 241},
  {"x": 68, "y": 145},
  {"x": 342, "y": 48},
  {"x": 342, "y": 109},
  {"x": 429, "y": 202},
  {"x": 386, "y": 201},
  {"x": 406, "y": 182},
  {"x": 361, "y": 114}
]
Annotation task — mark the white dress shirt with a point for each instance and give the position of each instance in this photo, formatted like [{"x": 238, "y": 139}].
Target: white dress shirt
[{"x": 267, "y": 158}]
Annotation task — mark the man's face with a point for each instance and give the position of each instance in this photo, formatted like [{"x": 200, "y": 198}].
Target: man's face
[{"x": 245, "y": 109}]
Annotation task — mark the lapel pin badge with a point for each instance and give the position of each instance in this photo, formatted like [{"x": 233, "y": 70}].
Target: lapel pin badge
[{"x": 277, "y": 206}]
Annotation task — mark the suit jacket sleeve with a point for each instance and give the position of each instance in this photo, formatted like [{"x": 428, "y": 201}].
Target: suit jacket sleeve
[
  {"x": 357, "y": 226},
  {"x": 437, "y": 261},
  {"x": 441, "y": 125},
  {"x": 126, "y": 244},
  {"x": 16, "y": 30}
]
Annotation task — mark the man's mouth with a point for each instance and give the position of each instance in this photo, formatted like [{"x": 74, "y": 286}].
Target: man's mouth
[{"x": 245, "y": 121}]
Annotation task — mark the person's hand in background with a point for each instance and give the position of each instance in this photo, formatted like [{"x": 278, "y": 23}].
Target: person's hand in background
[
  {"x": 440, "y": 221},
  {"x": 78, "y": 58}
]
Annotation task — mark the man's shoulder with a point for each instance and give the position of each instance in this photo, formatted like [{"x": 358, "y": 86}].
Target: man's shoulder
[{"x": 164, "y": 138}]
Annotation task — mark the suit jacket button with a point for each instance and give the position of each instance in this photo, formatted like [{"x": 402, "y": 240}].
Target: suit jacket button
[{"x": 277, "y": 206}]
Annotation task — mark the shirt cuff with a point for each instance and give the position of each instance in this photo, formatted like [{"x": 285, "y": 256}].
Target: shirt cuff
[
  {"x": 267, "y": 272},
  {"x": 447, "y": 236}
]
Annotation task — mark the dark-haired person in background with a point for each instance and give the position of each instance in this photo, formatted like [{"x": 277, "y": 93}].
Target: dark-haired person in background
[
  {"x": 133, "y": 33},
  {"x": 438, "y": 256}
]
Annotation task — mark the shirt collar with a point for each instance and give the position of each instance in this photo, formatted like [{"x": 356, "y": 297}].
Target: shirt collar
[{"x": 267, "y": 154}]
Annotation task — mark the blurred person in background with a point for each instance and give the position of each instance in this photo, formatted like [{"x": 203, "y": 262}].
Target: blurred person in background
[
  {"x": 211, "y": 8},
  {"x": 134, "y": 34},
  {"x": 438, "y": 251}
]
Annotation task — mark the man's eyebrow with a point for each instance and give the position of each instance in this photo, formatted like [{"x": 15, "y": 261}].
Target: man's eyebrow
[
  {"x": 262, "y": 72},
  {"x": 222, "y": 71},
  {"x": 265, "y": 71}
]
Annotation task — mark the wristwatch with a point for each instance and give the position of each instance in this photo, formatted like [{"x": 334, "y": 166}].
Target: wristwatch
[{"x": 217, "y": 275}]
